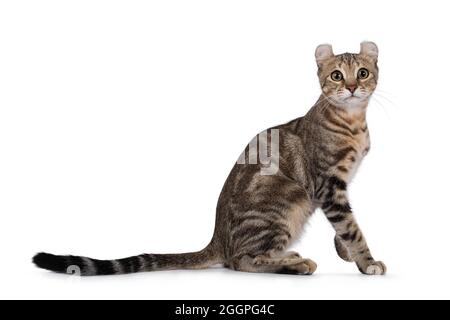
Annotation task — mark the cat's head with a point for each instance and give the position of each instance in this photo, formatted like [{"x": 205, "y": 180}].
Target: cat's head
[{"x": 348, "y": 79}]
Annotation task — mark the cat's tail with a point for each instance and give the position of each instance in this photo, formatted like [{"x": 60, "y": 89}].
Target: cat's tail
[{"x": 145, "y": 262}]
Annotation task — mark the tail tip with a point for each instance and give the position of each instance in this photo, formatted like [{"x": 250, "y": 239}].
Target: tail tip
[{"x": 49, "y": 262}]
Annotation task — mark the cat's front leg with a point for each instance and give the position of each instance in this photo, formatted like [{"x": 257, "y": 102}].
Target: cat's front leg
[{"x": 348, "y": 234}]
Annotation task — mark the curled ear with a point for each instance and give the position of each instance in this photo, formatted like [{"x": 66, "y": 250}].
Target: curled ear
[
  {"x": 369, "y": 49},
  {"x": 323, "y": 52}
]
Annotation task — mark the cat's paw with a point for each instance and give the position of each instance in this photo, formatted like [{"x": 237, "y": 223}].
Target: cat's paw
[
  {"x": 375, "y": 268},
  {"x": 342, "y": 250},
  {"x": 306, "y": 267}
]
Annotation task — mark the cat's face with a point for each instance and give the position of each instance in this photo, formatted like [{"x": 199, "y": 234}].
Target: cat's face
[{"x": 348, "y": 80}]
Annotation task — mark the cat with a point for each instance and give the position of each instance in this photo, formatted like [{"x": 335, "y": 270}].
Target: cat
[{"x": 260, "y": 212}]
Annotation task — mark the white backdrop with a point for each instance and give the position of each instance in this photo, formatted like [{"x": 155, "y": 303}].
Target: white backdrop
[{"x": 120, "y": 120}]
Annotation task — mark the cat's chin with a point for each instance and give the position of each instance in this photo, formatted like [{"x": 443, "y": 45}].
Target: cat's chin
[
  {"x": 353, "y": 102},
  {"x": 350, "y": 102}
]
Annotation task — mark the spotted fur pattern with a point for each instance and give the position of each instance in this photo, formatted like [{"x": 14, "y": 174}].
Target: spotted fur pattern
[{"x": 259, "y": 216}]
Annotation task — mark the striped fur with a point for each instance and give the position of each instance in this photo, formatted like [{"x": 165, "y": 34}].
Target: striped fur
[
  {"x": 144, "y": 262},
  {"x": 259, "y": 216}
]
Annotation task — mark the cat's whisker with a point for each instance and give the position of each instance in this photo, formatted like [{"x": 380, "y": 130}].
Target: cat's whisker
[
  {"x": 385, "y": 92},
  {"x": 384, "y": 97},
  {"x": 382, "y": 106},
  {"x": 324, "y": 106}
]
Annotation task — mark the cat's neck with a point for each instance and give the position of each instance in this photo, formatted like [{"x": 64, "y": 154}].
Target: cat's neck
[{"x": 351, "y": 113}]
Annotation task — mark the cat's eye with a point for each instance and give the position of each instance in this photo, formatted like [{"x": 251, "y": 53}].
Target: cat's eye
[
  {"x": 363, "y": 73},
  {"x": 337, "y": 76}
]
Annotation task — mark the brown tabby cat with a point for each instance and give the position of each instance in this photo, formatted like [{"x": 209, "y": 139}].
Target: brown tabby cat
[{"x": 261, "y": 212}]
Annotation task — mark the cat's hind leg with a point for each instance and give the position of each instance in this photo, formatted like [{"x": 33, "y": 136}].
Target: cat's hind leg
[
  {"x": 265, "y": 222},
  {"x": 288, "y": 264}
]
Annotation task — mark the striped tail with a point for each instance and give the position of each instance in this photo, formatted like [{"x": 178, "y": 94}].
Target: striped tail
[{"x": 145, "y": 262}]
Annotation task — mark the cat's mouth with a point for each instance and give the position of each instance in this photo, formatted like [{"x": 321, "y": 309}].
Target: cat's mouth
[{"x": 352, "y": 98}]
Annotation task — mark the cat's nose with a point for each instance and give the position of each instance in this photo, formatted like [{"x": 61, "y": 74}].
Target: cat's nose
[{"x": 351, "y": 87}]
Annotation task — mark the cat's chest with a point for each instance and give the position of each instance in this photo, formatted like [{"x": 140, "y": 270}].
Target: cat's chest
[{"x": 358, "y": 146}]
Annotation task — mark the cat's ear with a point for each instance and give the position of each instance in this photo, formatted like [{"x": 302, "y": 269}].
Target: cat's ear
[
  {"x": 323, "y": 52},
  {"x": 369, "y": 49}
]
